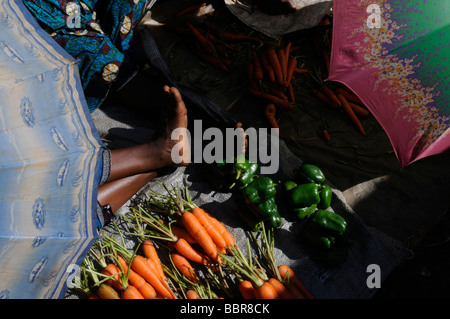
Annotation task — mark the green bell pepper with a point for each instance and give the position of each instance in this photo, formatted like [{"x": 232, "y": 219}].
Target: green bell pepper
[
  {"x": 304, "y": 212},
  {"x": 324, "y": 220},
  {"x": 309, "y": 173},
  {"x": 251, "y": 222},
  {"x": 325, "y": 234},
  {"x": 317, "y": 239},
  {"x": 245, "y": 172},
  {"x": 325, "y": 197},
  {"x": 304, "y": 195},
  {"x": 267, "y": 211},
  {"x": 240, "y": 172},
  {"x": 260, "y": 189}
]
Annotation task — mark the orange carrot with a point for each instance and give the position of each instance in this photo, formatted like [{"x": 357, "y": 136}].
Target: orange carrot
[
  {"x": 331, "y": 96},
  {"x": 275, "y": 63},
  {"x": 201, "y": 39},
  {"x": 283, "y": 62},
  {"x": 270, "y": 112},
  {"x": 282, "y": 291},
  {"x": 292, "y": 64},
  {"x": 272, "y": 98},
  {"x": 246, "y": 289},
  {"x": 301, "y": 71},
  {"x": 191, "y": 294},
  {"x": 277, "y": 91},
  {"x": 105, "y": 291},
  {"x": 131, "y": 292},
  {"x": 147, "y": 291},
  {"x": 351, "y": 114},
  {"x": 215, "y": 235},
  {"x": 140, "y": 265},
  {"x": 258, "y": 71},
  {"x": 229, "y": 36},
  {"x": 135, "y": 279},
  {"x": 181, "y": 232},
  {"x": 291, "y": 92},
  {"x": 320, "y": 95},
  {"x": 150, "y": 253},
  {"x": 296, "y": 293},
  {"x": 229, "y": 239},
  {"x": 291, "y": 278},
  {"x": 183, "y": 265},
  {"x": 195, "y": 228},
  {"x": 287, "y": 51},
  {"x": 152, "y": 264},
  {"x": 349, "y": 95},
  {"x": 114, "y": 282},
  {"x": 266, "y": 65},
  {"x": 266, "y": 291},
  {"x": 209, "y": 58},
  {"x": 359, "y": 110},
  {"x": 326, "y": 135},
  {"x": 184, "y": 248}
]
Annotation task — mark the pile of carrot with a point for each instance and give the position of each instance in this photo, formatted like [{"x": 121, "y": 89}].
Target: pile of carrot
[
  {"x": 258, "y": 283},
  {"x": 216, "y": 47},
  {"x": 290, "y": 287},
  {"x": 341, "y": 98},
  {"x": 271, "y": 73},
  {"x": 126, "y": 276},
  {"x": 199, "y": 257}
]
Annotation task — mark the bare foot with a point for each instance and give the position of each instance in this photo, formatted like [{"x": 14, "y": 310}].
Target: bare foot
[
  {"x": 174, "y": 143},
  {"x": 171, "y": 148}
]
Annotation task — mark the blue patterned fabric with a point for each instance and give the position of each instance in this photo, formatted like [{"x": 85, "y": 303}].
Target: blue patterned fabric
[
  {"x": 96, "y": 32},
  {"x": 50, "y": 158}
]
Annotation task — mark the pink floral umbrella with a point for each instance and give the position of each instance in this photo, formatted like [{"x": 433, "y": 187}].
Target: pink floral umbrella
[{"x": 395, "y": 55}]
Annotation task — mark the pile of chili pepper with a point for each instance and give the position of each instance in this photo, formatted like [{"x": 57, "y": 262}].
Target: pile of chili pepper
[{"x": 324, "y": 232}]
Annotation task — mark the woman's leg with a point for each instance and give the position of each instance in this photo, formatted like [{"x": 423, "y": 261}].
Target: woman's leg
[
  {"x": 118, "y": 192},
  {"x": 133, "y": 167},
  {"x": 157, "y": 153}
]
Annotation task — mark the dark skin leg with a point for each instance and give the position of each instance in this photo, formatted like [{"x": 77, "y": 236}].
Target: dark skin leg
[
  {"x": 118, "y": 192},
  {"x": 157, "y": 153},
  {"x": 133, "y": 167}
]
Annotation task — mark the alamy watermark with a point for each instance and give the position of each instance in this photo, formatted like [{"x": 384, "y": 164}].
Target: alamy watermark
[
  {"x": 374, "y": 19},
  {"x": 74, "y": 15},
  {"x": 374, "y": 279},
  {"x": 262, "y": 145}
]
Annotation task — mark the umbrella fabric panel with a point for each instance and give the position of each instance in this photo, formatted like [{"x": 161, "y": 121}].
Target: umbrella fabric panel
[
  {"x": 48, "y": 197},
  {"x": 23, "y": 54},
  {"x": 50, "y": 162},
  {"x": 44, "y": 107},
  {"x": 27, "y": 273},
  {"x": 399, "y": 68}
]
